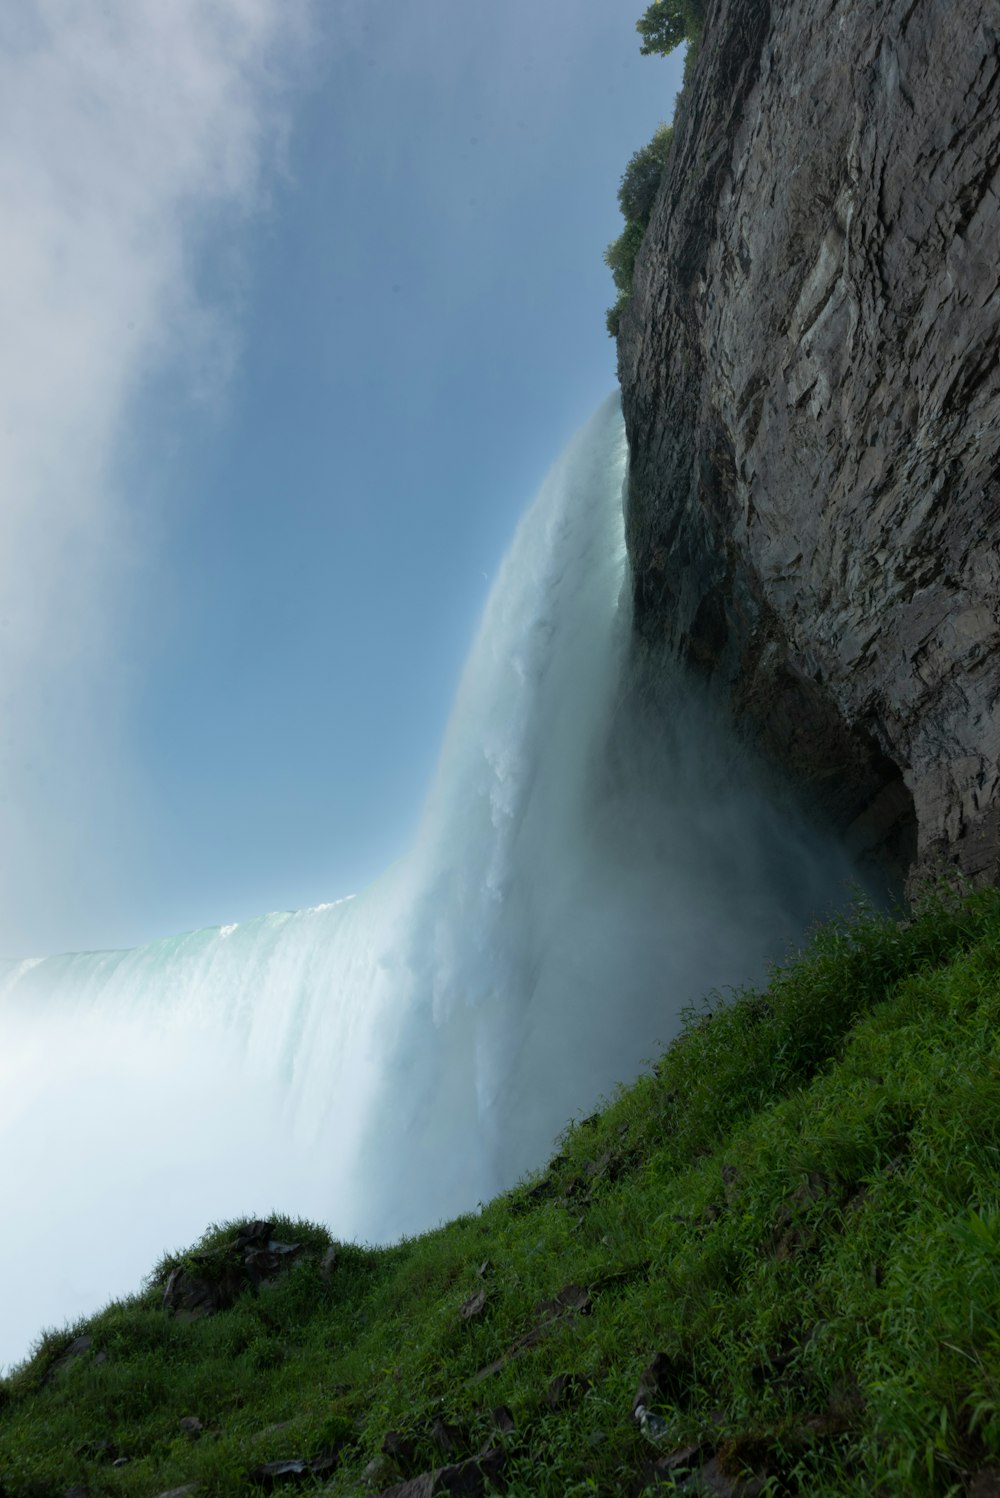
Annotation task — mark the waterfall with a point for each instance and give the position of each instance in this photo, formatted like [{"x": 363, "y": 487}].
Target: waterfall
[{"x": 585, "y": 867}]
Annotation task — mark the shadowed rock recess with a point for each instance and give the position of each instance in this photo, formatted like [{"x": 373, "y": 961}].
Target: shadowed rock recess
[{"x": 809, "y": 366}]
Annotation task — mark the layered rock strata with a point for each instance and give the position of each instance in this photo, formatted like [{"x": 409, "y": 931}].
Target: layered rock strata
[{"x": 810, "y": 367}]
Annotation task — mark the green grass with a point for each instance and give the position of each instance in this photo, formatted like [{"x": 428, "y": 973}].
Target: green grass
[{"x": 799, "y": 1206}]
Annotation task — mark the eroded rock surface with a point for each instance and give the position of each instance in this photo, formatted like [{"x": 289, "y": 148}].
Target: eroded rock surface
[{"x": 809, "y": 367}]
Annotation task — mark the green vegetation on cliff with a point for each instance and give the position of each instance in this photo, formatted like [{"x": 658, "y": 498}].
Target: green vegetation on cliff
[
  {"x": 783, "y": 1244},
  {"x": 666, "y": 25},
  {"x": 636, "y": 196}
]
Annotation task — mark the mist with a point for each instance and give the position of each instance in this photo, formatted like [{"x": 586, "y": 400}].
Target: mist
[{"x": 122, "y": 128}]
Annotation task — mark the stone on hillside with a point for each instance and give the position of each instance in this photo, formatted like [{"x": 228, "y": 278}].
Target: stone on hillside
[
  {"x": 72, "y": 1353},
  {"x": 713, "y": 1481},
  {"x": 671, "y": 1468},
  {"x": 562, "y": 1309},
  {"x": 213, "y": 1279},
  {"x": 450, "y": 1440},
  {"x": 270, "y": 1475},
  {"x": 475, "y": 1305},
  {"x": 469, "y": 1479},
  {"x": 663, "y": 1381},
  {"x": 566, "y": 1389},
  {"x": 401, "y": 1446},
  {"x": 292, "y": 1472},
  {"x": 573, "y": 1300},
  {"x": 99, "y": 1449},
  {"x": 190, "y": 1297},
  {"x": 494, "y": 1367},
  {"x": 253, "y": 1234},
  {"x": 607, "y": 1165},
  {"x": 379, "y": 1471}
]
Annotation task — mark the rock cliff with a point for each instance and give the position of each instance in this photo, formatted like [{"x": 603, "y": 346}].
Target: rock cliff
[{"x": 811, "y": 384}]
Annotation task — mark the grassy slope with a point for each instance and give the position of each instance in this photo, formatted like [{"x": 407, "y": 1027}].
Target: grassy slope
[{"x": 799, "y": 1207}]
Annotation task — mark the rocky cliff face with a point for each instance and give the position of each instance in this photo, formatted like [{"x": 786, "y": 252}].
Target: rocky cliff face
[{"x": 810, "y": 367}]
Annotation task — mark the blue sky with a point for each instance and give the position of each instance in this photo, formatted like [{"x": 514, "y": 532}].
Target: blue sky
[{"x": 302, "y": 302}]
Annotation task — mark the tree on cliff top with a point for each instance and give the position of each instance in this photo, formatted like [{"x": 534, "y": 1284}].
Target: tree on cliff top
[{"x": 668, "y": 23}]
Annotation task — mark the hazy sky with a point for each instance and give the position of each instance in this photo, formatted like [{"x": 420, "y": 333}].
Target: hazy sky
[{"x": 298, "y": 303}]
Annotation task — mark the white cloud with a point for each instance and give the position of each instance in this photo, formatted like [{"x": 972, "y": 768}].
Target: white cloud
[{"x": 125, "y": 127}]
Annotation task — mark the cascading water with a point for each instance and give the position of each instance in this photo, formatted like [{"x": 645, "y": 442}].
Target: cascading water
[{"x": 584, "y": 869}]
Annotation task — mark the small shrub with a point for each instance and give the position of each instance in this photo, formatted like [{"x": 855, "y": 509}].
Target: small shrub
[
  {"x": 641, "y": 178},
  {"x": 636, "y": 196},
  {"x": 614, "y": 316},
  {"x": 620, "y": 255}
]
